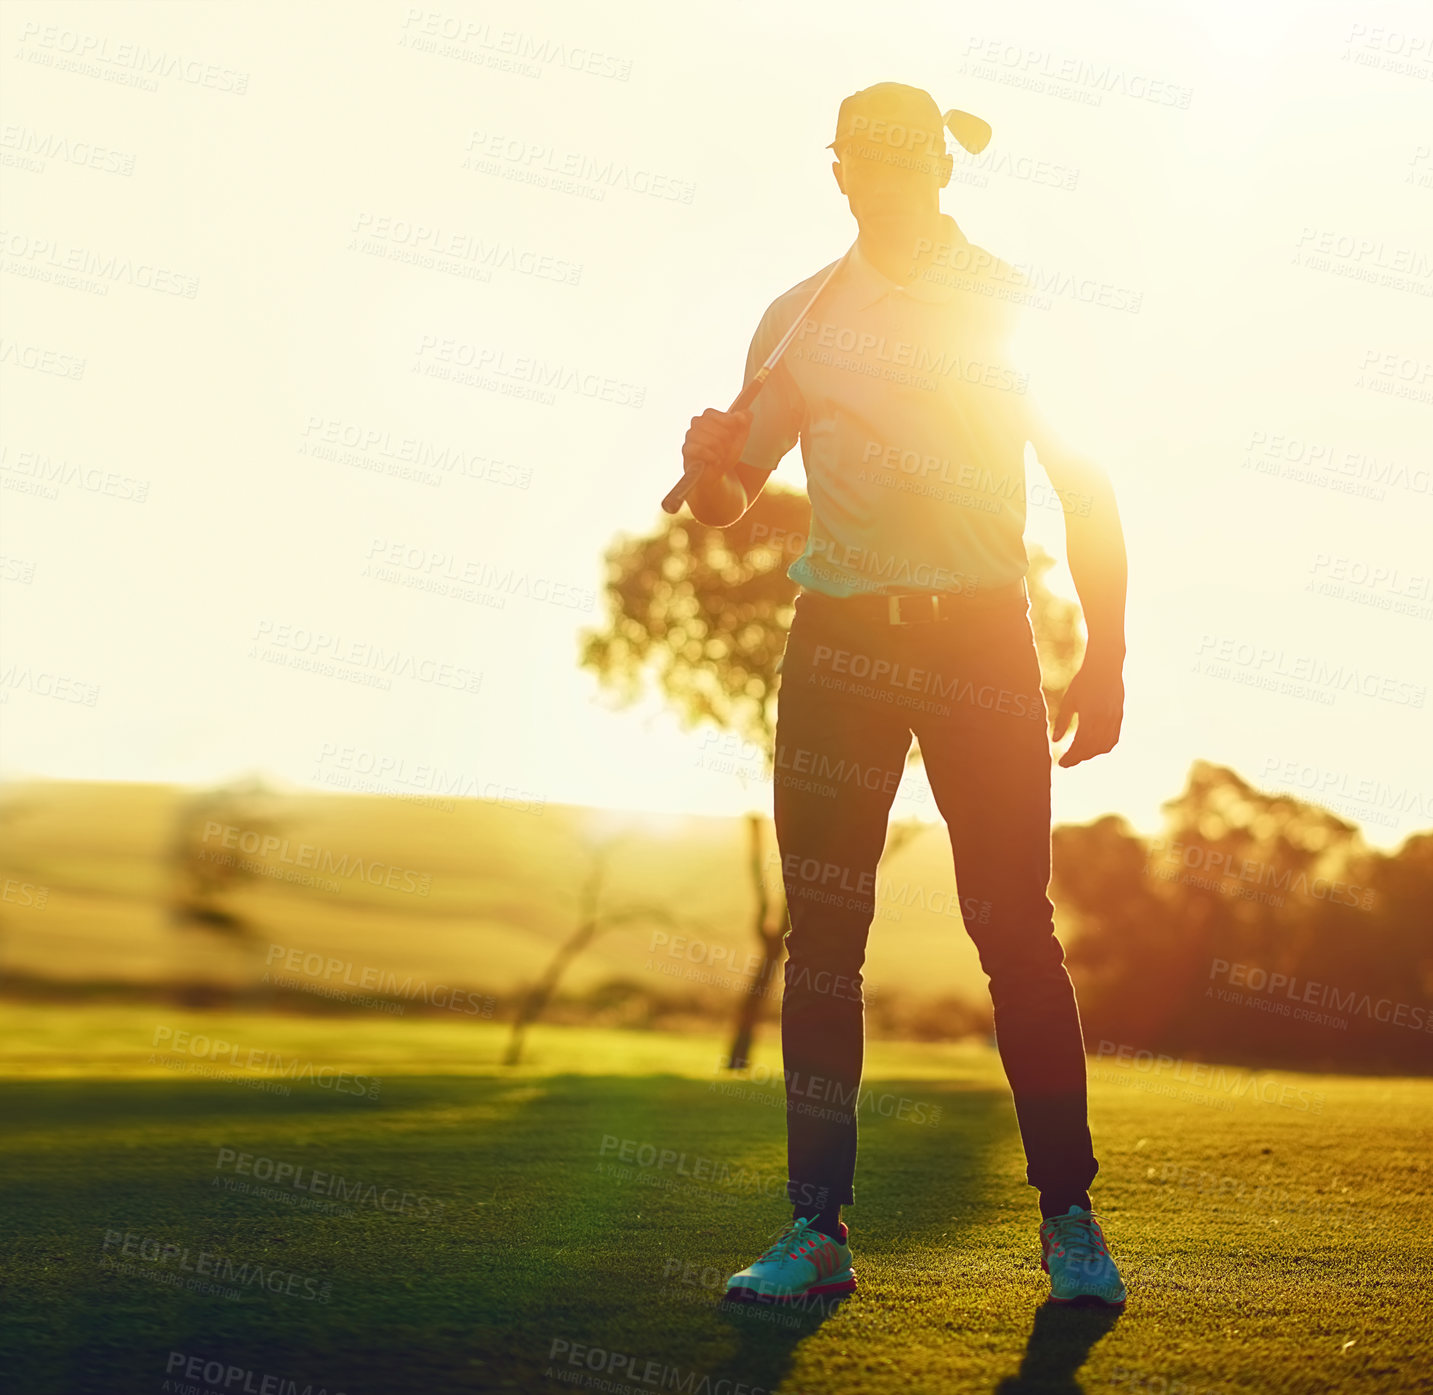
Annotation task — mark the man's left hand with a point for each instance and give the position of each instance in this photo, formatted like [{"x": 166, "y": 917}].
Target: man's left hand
[{"x": 1096, "y": 696}]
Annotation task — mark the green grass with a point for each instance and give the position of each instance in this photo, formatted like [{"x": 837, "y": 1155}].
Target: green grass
[{"x": 1266, "y": 1248}]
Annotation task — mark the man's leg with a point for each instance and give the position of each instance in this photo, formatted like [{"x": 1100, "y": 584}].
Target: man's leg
[
  {"x": 839, "y": 758},
  {"x": 989, "y": 765}
]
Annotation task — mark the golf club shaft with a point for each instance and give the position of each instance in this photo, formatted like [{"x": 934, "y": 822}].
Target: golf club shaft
[{"x": 748, "y": 394}]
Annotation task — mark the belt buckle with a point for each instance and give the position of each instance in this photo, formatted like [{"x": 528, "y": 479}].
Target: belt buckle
[{"x": 894, "y": 608}]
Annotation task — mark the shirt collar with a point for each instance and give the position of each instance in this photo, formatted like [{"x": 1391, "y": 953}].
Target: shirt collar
[{"x": 936, "y": 287}]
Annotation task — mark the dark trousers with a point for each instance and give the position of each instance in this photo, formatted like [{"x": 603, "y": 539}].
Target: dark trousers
[{"x": 853, "y": 691}]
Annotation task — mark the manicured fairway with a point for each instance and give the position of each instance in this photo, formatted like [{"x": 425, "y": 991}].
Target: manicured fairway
[{"x": 567, "y": 1224}]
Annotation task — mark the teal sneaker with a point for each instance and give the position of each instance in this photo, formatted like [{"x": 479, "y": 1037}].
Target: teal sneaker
[
  {"x": 1076, "y": 1258},
  {"x": 802, "y": 1263}
]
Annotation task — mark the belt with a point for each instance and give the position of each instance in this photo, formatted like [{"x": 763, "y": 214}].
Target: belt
[{"x": 912, "y": 607}]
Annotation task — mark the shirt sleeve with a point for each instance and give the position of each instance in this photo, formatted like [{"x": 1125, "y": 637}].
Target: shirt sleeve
[{"x": 779, "y": 411}]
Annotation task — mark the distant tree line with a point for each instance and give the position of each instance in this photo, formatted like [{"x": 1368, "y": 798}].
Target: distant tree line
[{"x": 1255, "y": 928}]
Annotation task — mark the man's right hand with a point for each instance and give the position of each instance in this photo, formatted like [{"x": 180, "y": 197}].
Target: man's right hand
[
  {"x": 716, "y": 440},
  {"x": 714, "y": 445}
]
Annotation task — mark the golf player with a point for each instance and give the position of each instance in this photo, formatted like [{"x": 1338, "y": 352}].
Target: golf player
[{"x": 913, "y": 619}]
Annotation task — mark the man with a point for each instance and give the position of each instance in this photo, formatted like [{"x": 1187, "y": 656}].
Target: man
[{"x": 913, "y": 619}]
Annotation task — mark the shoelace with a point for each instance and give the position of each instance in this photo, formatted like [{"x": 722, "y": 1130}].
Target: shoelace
[
  {"x": 791, "y": 1241},
  {"x": 1076, "y": 1238}
]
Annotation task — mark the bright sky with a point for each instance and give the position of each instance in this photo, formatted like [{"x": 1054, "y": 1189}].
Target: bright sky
[{"x": 370, "y": 197}]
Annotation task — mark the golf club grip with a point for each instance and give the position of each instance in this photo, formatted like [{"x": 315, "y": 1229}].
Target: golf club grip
[{"x": 684, "y": 486}]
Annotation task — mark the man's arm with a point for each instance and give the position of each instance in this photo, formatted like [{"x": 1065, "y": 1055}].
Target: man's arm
[
  {"x": 1095, "y": 547},
  {"x": 741, "y": 449}
]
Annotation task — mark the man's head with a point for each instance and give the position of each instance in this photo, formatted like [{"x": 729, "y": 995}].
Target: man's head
[{"x": 891, "y": 159}]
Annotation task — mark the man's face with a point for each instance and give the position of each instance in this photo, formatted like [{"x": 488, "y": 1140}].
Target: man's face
[{"x": 886, "y": 178}]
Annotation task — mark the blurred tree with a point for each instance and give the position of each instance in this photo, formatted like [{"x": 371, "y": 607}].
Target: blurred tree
[
  {"x": 1113, "y": 919},
  {"x": 208, "y": 868},
  {"x": 703, "y": 612},
  {"x": 14, "y": 807},
  {"x": 593, "y": 915}
]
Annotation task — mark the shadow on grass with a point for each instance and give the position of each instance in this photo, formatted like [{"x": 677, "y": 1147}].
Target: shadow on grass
[
  {"x": 766, "y": 1338},
  {"x": 537, "y": 1251},
  {"x": 1060, "y": 1343}
]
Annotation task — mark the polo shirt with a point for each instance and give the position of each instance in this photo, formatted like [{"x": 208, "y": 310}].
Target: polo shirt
[{"x": 911, "y": 419}]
